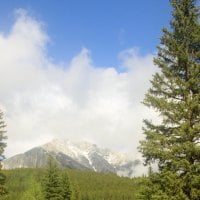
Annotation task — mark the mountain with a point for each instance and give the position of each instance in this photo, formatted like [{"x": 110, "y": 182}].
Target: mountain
[{"x": 84, "y": 156}]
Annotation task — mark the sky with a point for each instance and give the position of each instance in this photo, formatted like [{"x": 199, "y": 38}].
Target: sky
[{"x": 77, "y": 70}]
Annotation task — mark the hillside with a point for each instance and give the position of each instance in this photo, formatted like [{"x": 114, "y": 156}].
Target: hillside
[{"x": 25, "y": 184}]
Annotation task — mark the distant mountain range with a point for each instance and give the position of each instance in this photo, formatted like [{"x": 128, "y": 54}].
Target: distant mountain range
[{"x": 83, "y": 156}]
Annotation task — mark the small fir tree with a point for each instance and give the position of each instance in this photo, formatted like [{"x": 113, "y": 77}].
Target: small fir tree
[
  {"x": 53, "y": 189},
  {"x": 174, "y": 144}
]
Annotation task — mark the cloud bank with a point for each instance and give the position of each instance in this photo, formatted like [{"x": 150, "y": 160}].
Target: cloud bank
[{"x": 77, "y": 101}]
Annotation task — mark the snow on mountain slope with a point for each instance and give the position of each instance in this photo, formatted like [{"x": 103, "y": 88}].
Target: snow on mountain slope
[
  {"x": 82, "y": 155},
  {"x": 86, "y": 149}
]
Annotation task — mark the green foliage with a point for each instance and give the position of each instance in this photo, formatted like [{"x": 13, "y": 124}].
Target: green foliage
[
  {"x": 24, "y": 184},
  {"x": 96, "y": 186},
  {"x": 84, "y": 185},
  {"x": 66, "y": 186},
  {"x": 3, "y": 190},
  {"x": 55, "y": 188},
  {"x": 75, "y": 192},
  {"x": 175, "y": 94},
  {"x": 34, "y": 191}
]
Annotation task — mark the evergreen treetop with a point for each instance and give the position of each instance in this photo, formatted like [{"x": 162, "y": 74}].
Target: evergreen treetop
[
  {"x": 52, "y": 183},
  {"x": 56, "y": 183},
  {"x": 174, "y": 144}
]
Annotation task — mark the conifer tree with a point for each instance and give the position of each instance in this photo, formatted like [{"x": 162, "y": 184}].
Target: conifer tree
[
  {"x": 56, "y": 183},
  {"x": 3, "y": 191},
  {"x": 52, "y": 184},
  {"x": 174, "y": 143}
]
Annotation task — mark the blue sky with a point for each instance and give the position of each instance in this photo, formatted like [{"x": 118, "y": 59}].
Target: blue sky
[
  {"x": 103, "y": 27},
  {"x": 78, "y": 70}
]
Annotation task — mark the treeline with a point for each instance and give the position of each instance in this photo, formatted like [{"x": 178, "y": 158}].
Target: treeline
[{"x": 29, "y": 184}]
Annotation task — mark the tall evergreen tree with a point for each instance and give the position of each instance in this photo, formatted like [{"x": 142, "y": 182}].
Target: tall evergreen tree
[
  {"x": 174, "y": 143},
  {"x": 2, "y": 147}
]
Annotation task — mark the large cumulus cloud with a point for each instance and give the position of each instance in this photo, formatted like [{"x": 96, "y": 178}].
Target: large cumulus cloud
[{"x": 78, "y": 101}]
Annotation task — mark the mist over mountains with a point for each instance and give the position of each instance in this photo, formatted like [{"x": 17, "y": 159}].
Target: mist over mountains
[{"x": 82, "y": 156}]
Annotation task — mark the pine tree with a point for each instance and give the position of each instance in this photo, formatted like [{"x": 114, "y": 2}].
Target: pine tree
[
  {"x": 3, "y": 191},
  {"x": 174, "y": 143},
  {"x": 53, "y": 189}
]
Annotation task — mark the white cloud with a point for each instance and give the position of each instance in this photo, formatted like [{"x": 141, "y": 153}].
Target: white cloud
[{"x": 79, "y": 101}]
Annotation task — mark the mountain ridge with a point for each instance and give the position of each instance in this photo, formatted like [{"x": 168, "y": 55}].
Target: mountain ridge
[{"x": 82, "y": 155}]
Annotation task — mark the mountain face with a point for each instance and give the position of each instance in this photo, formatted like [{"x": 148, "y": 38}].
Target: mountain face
[{"x": 84, "y": 156}]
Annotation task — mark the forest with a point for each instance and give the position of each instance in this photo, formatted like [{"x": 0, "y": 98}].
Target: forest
[{"x": 27, "y": 184}]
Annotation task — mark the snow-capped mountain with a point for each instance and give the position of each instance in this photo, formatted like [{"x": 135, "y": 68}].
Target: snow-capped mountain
[{"x": 84, "y": 156}]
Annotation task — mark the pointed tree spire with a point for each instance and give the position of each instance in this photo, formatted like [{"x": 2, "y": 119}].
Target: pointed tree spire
[{"x": 174, "y": 144}]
